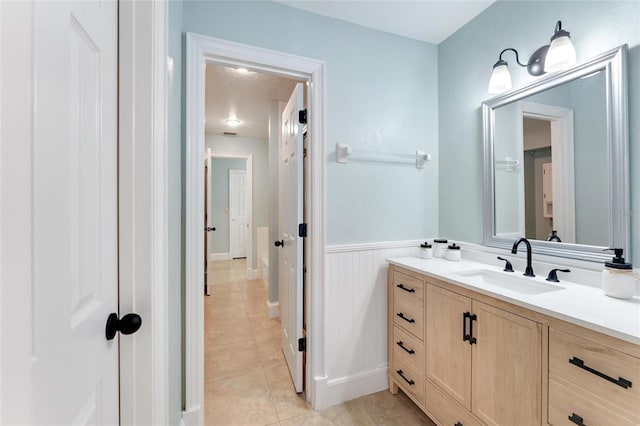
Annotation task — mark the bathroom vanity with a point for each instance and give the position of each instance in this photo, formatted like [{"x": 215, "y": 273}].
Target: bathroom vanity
[{"x": 473, "y": 345}]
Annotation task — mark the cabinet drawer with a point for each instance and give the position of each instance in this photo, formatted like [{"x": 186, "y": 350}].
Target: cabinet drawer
[
  {"x": 409, "y": 379},
  {"x": 409, "y": 286},
  {"x": 566, "y": 403},
  {"x": 593, "y": 367},
  {"x": 408, "y": 315},
  {"x": 408, "y": 348},
  {"x": 447, "y": 412}
]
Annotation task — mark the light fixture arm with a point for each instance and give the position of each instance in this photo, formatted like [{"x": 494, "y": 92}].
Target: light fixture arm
[{"x": 514, "y": 51}]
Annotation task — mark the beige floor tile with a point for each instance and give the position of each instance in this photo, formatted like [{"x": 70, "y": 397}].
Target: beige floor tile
[
  {"x": 313, "y": 418},
  {"x": 230, "y": 361},
  {"x": 288, "y": 403},
  {"x": 226, "y": 332},
  {"x": 271, "y": 353},
  {"x": 225, "y": 313},
  {"x": 244, "y": 400}
]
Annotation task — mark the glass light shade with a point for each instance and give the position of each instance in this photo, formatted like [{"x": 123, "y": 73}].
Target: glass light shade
[
  {"x": 500, "y": 81},
  {"x": 561, "y": 55}
]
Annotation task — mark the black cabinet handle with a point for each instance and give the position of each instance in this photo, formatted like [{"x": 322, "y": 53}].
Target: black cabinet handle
[
  {"x": 622, "y": 382},
  {"x": 465, "y": 336},
  {"x": 472, "y": 318},
  {"x": 409, "y": 351},
  {"x": 408, "y": 290},
  {"x": 576, "y": 419},
  {"x": 468, "y": 337},
  {"x": 401, "y": 373},
  {"x": 409, "y": 320}
]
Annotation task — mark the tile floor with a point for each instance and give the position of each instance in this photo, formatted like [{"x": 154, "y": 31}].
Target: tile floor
[{"x": 246, "y": 379}]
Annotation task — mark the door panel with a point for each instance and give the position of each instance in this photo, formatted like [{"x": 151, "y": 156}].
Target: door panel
[
  {"x": 291, "y": 214},
  {"x": 507, "y": 363},
  {"x": 449, "y": 356},
  {"x": 72, "y": 168}
]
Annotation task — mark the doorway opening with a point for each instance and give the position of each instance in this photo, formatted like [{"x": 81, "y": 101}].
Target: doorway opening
[{"x": 205, "y": 53}]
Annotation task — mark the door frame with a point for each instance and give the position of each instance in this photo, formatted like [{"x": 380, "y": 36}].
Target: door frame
[
  {"x": 202, "y": 50},
  {"x": 249, "y": 238},
  {"x": 143, "y": 209},
  {"x": 562, "y": 155}
]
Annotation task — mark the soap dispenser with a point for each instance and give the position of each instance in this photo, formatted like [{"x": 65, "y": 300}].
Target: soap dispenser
[{"x": 618, "y": 278}]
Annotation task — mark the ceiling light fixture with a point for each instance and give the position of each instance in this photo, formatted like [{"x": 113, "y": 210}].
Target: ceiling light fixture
[
  {"x": 233, "y": 122},
  {"x": 242, "y": 70},
  {"x": 560, "y": 54}
]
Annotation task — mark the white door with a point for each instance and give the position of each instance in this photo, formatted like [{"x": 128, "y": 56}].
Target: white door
[
  {"x": 290, "y": 256},
  {"x": 237, "y": 213},
  {"x": 59, "y": 212}
]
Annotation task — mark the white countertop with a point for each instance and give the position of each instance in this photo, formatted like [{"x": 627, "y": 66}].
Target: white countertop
[{"x": 577, "y": 304}]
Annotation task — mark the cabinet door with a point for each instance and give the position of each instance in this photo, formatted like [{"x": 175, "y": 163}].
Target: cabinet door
[
  {"x": 506, "y": 368},
  {"x": 448, "y": 356}
]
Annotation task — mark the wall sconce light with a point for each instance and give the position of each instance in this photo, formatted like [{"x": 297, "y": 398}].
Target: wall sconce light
[{"x": 556, "y": 56}]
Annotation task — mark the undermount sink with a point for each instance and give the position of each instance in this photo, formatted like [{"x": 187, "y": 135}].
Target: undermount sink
[{"x": 511, "y": 282}]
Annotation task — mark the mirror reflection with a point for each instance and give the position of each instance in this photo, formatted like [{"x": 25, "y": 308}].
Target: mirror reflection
[{"x": 551, "y": 164}]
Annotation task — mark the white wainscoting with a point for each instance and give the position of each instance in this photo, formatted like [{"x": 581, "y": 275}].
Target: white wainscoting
[{"x": 356, "y": 319}]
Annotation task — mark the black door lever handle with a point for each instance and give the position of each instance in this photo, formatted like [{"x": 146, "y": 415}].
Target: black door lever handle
[
  {"x": 279, "y": 243},
  {"x": 209, "y": 228}
]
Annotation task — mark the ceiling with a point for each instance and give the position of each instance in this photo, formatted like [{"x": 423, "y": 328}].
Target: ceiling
[
  {"x": 245, "y": 96},
  {"x": 425, "y": 20}
]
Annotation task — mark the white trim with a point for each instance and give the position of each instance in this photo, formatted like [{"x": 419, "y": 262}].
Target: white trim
[
  {"x": 273, "y": 309},
  {"x": 216, "y": 257},
  {"x": 344, "y": 248},
  {"x": 143, "y": 246},
  {"x": 338, "y": 390},
  {"x": 200, "y": 50}
]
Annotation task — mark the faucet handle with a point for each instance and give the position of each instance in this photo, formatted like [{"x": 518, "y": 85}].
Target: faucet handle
[
  {"x": 553, "y": 277},
  {"x": 508, "y": 267}
]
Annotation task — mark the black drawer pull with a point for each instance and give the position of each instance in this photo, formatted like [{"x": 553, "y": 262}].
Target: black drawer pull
[
  {"x": 622, "y": 382},
  {"x": 472, "y": 318},
  {"x": 408, "y": 290},
  {"x": 465, "y": 336},
  {"x": 411, "y": 382},
  {"x": 576, "y": 419},
  {"x": 409, "y": 320},
  {"x": 458, "y": 424},
  {"x": 409, "y": 351}
]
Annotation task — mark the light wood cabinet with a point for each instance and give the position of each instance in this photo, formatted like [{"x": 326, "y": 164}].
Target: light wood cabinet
[
  {"x": 506, "y": 368},
  {"x": 471, "y": 360},
  {"x": 449, "y": 358},
  {"x": 486, "y": 359}
]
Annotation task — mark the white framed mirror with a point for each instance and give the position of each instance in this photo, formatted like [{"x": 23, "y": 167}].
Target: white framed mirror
[{"x": 556, "y": 162}]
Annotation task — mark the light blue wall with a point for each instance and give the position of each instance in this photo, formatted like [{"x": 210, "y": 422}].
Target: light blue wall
[
  {"x": 381, "y": 94},
  {"x": 175, "y": 211},
  {"x": 464, "y": 66},
  {"x": 219, "y": 239},
  {"x": 259, "y": 147}
]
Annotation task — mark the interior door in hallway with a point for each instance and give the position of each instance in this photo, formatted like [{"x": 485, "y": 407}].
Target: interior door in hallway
[
  {"x": 59, "y": 212},
  {"x": 237, "y": 213},
  {"x": 291, "y": 215}
]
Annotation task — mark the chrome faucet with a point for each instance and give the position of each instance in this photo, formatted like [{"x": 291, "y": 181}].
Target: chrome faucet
[{"x": 529, "y": 271}]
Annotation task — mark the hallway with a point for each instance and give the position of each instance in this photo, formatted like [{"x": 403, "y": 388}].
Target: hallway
[{"x": 246, "y": 379}]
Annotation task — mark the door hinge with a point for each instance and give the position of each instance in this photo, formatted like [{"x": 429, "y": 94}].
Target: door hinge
[
  {"x": 302, "y": 116},
  {"x": 302, "y": 230},
  {"x": 302, "y": 344}
]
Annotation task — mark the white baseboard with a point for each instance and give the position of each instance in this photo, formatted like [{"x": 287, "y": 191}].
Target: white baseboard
[
  {"x": 335, "y": 391},
  {"x": 219, "y": 256},
  {"x": 252, "y": 274},
  {"x": 191, "y": 417},
  {"x": 274, "y": 309}
]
